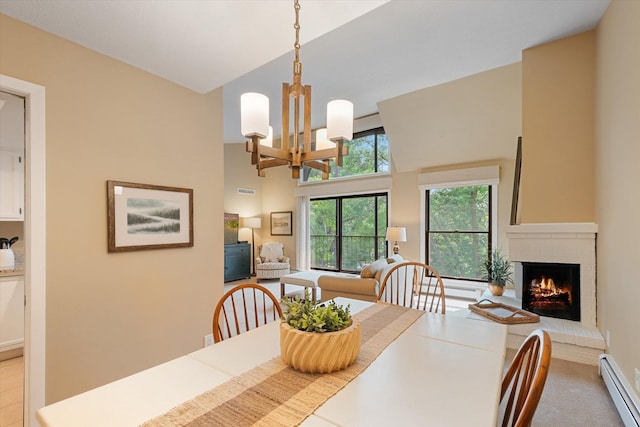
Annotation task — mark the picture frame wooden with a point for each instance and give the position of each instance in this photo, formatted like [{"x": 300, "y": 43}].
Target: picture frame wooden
[
  {"x": 282, "y": 223},
  {"x": 143, "y": 216}
]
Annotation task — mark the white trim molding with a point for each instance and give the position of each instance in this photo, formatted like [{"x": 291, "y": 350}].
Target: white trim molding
[
  {"x": 373, "y": 184},
  {"x": 460, "y": 177}
]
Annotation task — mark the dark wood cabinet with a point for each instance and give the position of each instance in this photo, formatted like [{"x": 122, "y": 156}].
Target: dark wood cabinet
[{"x": 237, "y": 261}]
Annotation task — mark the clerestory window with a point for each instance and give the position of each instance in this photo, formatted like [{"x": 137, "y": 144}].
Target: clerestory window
[{"x": 368, "y": 154}]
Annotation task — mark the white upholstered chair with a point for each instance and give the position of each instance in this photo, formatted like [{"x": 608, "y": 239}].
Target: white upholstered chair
[{"x": 272, "y": 262}]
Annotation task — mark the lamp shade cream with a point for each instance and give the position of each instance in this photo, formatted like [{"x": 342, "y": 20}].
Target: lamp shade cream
[
  {"x": 252, "y": 222},
  {"x": 396, "y": 234},
  {"x": 340, "y": 120},
  {"x": 254, "y": 114}
]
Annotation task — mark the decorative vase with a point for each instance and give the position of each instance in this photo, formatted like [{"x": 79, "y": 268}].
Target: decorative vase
[
  {"x": 319, "y": 352},
  {"x": 496, "y": 290}
]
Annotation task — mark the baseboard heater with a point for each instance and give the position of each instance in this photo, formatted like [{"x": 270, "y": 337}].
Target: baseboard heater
[{"x": 620, "y": 391}]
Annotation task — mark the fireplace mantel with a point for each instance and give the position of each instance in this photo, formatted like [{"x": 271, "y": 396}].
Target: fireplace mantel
[{"x": 554, "y": 228}]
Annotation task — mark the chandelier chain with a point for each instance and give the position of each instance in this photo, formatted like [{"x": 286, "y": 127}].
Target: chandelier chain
[{"x": 296, "y": 45}]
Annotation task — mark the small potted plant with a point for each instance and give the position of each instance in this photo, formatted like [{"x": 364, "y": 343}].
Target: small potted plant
[
  {"x": 498, "y": 272},
  {"x": 318, "y": 338}
]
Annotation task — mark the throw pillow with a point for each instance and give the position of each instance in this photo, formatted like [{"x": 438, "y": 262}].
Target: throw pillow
[
  {"x": 377, "y": 265},
  {"x": 366, "y": 272}
]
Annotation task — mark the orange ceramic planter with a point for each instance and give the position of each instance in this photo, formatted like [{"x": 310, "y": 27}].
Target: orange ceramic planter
[{"x": 317, "y": 352}]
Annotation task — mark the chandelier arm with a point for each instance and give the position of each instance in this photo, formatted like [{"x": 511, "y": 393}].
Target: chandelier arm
[
  {"x": 320, "y": 154},
  {"x": 271, "y": 163},
  {"x": 270, "y": 152},
  {"x": 319, "y": 165}
]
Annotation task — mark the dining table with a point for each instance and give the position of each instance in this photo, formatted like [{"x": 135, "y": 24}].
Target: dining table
[{"x": 440, "y": 370}]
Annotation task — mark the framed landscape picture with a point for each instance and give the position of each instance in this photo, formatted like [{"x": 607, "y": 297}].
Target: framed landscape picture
[
  {"x": 281, "y": 223},
  {"x": 141, "y": 217}
]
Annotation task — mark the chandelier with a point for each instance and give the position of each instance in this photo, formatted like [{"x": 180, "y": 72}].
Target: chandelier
[{"x": 296, "y": 150}]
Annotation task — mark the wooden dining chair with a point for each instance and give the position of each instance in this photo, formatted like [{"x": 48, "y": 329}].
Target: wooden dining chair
[
  {"x": 524, "y": 381},
  {"x": 413, "y": 284},
  {"x": 242, "y": 308}
]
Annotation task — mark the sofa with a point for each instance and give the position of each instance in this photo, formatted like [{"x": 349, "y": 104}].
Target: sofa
[{"x": 363, "y": 287}]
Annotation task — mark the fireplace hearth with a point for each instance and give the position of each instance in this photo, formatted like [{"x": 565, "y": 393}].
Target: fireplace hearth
[{"x": 551, "y": 289}]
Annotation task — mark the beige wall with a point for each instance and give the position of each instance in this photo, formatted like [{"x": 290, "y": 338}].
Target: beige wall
[
  {"x": 278, "y": 190},
  {"x": 476, "y": 118},
  {"x": 239, "y": 173},
  {"x": 110, "y": 315},
  {"x": 274, "y": 193},
  {"x": 470, "y": 122},
  {"x": 558, "y": 95},
  {"x": 617, "y": 153}
]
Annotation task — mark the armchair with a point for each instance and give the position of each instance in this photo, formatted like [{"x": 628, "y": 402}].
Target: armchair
[{"x": 272, "y": 262}]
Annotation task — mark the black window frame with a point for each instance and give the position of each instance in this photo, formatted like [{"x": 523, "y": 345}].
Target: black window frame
[
  {"x": 380, "y": 231},
  {"x": 489, "y": 231}
]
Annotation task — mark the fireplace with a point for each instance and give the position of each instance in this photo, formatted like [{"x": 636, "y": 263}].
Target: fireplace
[
  {"x": 559, "y": 243},
  {"x": 551, "y": 289}
]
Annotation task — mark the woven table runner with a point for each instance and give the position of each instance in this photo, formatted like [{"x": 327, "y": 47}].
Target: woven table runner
[{"x": 273, "y": 394}]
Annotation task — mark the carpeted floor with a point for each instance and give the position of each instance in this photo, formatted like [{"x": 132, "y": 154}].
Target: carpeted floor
[{"x": 574, "y": 395}]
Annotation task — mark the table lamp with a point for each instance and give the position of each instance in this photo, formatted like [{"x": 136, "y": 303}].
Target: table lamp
[{"x": 396, "y": 234}]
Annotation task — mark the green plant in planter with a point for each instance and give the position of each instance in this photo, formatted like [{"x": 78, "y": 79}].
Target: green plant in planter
[
  {"x": 498, "y": 269},
  {"x": 306, "y": 315}
]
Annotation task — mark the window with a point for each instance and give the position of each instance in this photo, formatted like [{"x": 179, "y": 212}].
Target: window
[
  {"x": 368, "y": 154},
  {"x": 347, "y": 232},
  {"x": 458, "y": 230}
]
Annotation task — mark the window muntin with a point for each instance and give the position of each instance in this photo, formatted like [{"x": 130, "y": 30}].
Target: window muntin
[{"x": 458, "y": 235}]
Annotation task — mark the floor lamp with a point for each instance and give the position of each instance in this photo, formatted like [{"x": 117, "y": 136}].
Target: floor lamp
[{"x": 252, "y": 223}]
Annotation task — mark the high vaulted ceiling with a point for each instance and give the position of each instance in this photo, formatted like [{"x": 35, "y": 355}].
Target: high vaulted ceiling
[{"x": 361, "y": 50}]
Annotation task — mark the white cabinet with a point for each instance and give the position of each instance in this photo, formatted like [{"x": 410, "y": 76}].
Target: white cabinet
[
  {"x": 11, "y": 186},
  {"x": 11, "y": 312}
]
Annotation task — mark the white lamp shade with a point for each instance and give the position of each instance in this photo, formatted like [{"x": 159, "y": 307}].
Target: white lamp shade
[
  {"x": 268, "y": 141},
  {"x": 254, "y": 114},
  {"x": 322, "y": 142},
  {"x": 252, "y": 222},
  {"x": 396, "y": 234},
  {"x": 340, "y": 120}
]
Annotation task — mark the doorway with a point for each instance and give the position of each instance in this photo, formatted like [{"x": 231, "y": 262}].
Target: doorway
[
  {"x": 12, "y": 136},
  {"x": 35, "y": 242}
]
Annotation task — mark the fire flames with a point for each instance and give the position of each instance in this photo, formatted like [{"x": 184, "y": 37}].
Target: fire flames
[{"x": 546, "y": 288}]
